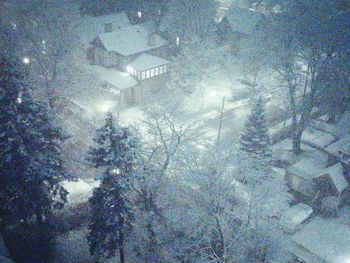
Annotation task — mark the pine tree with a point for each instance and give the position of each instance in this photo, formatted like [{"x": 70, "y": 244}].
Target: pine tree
[
  {"x": 112, "y": 213},
  {"x": 254, "y": 140},
  {"x": 30, "y": 163}
]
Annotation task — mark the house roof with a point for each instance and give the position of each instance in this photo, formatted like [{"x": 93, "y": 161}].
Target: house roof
[
  {"x": 322, "y": 240},
  {"x": 90, "y": 27},
  {"x": 146, "y": 61},
  {"x": 317, "y": 138},
  {"x": 307, "y": 168},
  {"x": 343, "y": 144},
  {"x": 243, "y": 20},
  {"x": 130, "y": 40},
  {"x": 336, "y": 173},
  {"x": 294, "y": 217},
  {"x": 118, "y": 79}
]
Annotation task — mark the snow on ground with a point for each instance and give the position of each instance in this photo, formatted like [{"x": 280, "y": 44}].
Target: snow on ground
[{"x": 78, "y": 192}]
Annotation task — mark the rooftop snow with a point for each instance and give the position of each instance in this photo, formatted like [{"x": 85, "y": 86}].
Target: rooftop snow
[
  {"x": 118, "y": 79},
  {"x": 130, "y": 40},
  {"x": 325, "y": 239},
  {"x": 343, "y": 144},
  {"x": 317, "y": 138},
  {"x": 336, "y": 173},
  {"x": 243, "y": 20},
  {"x": 295, "y": 216},
  {"x": 90, "y": 27},
  {"x": 308, "y": 168},
  {"x": 146, "y": 61}
]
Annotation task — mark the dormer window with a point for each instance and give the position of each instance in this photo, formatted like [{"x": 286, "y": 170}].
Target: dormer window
[{"x": 139, "y": 14}]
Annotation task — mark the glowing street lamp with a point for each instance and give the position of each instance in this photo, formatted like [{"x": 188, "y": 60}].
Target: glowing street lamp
[{"x": 26, "y": 60}]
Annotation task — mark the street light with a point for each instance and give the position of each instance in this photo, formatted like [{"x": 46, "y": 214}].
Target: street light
[{"x": 26, "y": 60}]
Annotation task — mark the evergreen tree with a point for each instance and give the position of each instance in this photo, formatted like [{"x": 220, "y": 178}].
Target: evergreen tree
[
  {"x": 30, "y": 163},
  {"x": 112, "y": 212},
  {"x": 254, "y": 140}
]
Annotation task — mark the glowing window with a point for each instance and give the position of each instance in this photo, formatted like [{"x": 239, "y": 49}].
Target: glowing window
[
  {"x": 152, "y": 73},
  {"x": 143, "y": 75},
  {"x": 156, "y": 72},
  {"x": 139, "y": 14},
  {"x": 160, "y": 70},
  {"x": 165, "y": 68},
  {"x": 177, "y": 41},
  {"x": 147, "y": 74}
]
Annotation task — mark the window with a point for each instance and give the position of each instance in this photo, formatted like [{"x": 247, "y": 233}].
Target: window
[
  {"x": 177, "y": 41},
  {"x": 156, "y": 72},
  {"x": 139, "y": 14},
  {"x": 143, "y": 75},
  {"x": 152, "y": 73},
  {"x": 147, "y": 74},
  {"x": 139, "y": 75},
  {"x": 160, "y": 70},
  {"x": 165, "y": 68}
]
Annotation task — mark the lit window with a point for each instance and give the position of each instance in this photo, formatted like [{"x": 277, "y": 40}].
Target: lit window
[
  {"x": 160, "y": 70},
  {"x": 165, "y": 68},
  {"x": 177, "y": 41},
  {"x": 139, "y": 14},
  {"x": 26, "y": 60},
  {"x": 159, "y": 12},
  {"x": 152, "y": 73},
  {"x": 130, "y": 70},
  {"x": 156, "y": 72},
  {"x": 147, "y": 74}
]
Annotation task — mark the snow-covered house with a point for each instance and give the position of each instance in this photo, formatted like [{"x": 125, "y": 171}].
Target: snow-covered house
[
  {"x": 238, "y": 23},
  {"x": 123, "y": 87},
  {"x": 123, "y": 45},
  {"x": 300, "y": 175},
  {"x": 322, "y": 241},
  {"x": 317, "y": 138},
  {"x": 295, "y": 217},
  {"x": 89, "y": 27},
  {"x": 331, "y": 182},
  {"x": 147, "y": 66}
]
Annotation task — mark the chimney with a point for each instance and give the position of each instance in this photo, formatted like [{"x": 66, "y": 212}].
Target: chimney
[
  {"x": 108, "y": 27},
  {"x": 151, "y": 39}
]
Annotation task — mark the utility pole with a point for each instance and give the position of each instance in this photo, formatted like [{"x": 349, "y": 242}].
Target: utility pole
[{"x": 221, "y": 116}]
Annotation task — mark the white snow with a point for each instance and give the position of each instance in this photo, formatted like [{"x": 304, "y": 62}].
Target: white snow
[
  {"x": 322, "y": 240},
  {"x": 308, "y": 168},
  {"x": 79, "y": 191},
  {"x": 130, "y": 40},
  {"x": 317, "y": 138},
  {"x": 294, "y": 217},
  {"x": 118, "y": 79},
  {"x": 90, "y": 27},
  {"x": 145, "y": 61}
]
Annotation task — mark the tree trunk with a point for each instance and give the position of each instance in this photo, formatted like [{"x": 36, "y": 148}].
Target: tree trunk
[{"x": 121, "y": 247}]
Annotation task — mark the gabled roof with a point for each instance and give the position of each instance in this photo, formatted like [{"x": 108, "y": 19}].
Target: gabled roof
[
  {"x": 343, "y": 145},
  {"x": 243, "y": 20},
  {"x": 322, "y": 240},
  {"x": 146, "y": 61},
  {"x": 90, "y": 27},
  {"x": 118, "y": 79},
  {"x": 336, "y": 173},
  {"x": 130, "y": 40}
]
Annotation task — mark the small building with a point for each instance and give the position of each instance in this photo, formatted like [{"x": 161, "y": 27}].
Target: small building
[
  {"x": 300, "y": 175},
  {"x": 147, "y": 66},
  {"x": 124, "y": 88},
  {"x": 118, "y": 48},
  {"x": 331, "y": 182},
  {"x": 295, "y": 217},
  {"x": 322, "y": 241},
  {"x": 238, "y": 23}
]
